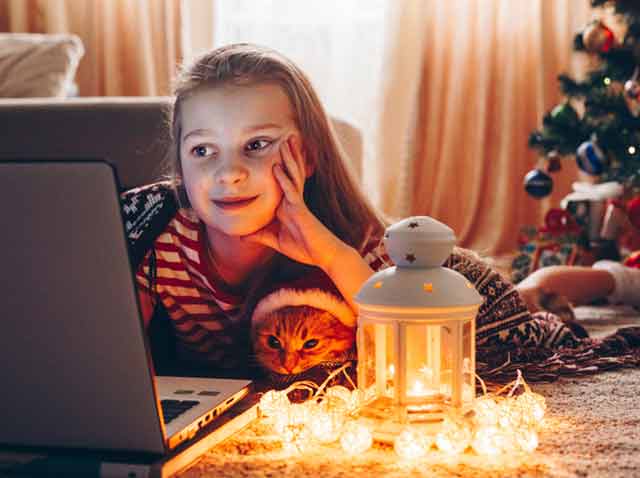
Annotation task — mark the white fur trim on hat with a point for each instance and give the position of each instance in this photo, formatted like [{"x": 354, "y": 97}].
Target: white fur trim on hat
[{"x": 317, "y": 298}]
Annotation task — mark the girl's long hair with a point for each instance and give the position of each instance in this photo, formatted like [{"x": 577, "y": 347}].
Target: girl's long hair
[{"x": 331, "y": 193}]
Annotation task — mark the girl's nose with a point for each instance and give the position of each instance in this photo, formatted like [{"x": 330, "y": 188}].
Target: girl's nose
[{"x": 231, "y": 171}]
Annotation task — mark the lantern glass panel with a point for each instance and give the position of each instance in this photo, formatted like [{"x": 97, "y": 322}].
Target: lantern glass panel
[
  {"x": 424, "y": 359},
  {"x": 469, "y": 361},
  {"x": 376, "y": 359}
]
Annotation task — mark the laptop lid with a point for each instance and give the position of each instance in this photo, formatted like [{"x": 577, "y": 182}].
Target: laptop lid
[{"x": 75, "y": 369}]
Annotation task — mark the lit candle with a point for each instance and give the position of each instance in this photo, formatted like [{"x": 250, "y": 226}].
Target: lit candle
[{"x": 417, "y": 389}]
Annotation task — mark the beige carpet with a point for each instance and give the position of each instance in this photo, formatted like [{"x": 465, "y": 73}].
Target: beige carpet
[{"x": 592, "y": 428}]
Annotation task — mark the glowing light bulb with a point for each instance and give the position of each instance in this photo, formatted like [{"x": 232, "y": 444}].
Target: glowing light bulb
[
  {"x": 411, "y": 444},
  {"x": 299, "y": 413},
  {"x": 417, "y": 389},
  {"x": 356, "y": 438},
  {"x": 453, "y": 438},
  {"x": 534, "y": 403},
  {"x": 606, "y": 80},
  {"x": 325, "y": 427},
  {"x": 296, "y": 415},
  {"x": 486, "y": 411},
  {"x": 511, "y": 414},
  {"x": 508, "y": 440},
  {"x": 487, "y": 441},
  {"x": 632, "y": 149},
  {"x": 527, "y": 440},
  {"x": 273, "y": 402},
  {"x": 341, "y": 399},
  {"x": 297, "y": 440}
]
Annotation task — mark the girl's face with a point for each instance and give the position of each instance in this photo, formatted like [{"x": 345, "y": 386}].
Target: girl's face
[{"x": 231, "y": 138}]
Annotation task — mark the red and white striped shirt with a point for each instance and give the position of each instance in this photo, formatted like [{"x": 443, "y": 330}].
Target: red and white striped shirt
[{"x": 205, "y": 315}]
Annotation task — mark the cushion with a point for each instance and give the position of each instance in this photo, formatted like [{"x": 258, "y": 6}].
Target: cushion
[{"x": 38, "y": 65}]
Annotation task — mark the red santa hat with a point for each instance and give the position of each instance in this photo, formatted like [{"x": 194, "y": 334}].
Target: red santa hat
[{"x": 315, "y": 289}]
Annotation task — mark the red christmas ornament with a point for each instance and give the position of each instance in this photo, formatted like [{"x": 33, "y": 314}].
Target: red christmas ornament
[
  {"x": 597, "y": 37},
  {"x": 633, "y": 260},
  {"x": 557, "y": 221},
  {"x": 633, "y": 211}
]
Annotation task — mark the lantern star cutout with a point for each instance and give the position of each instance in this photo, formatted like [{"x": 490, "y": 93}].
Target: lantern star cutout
[
  {"x": 413, "y": 225},
  {"x": 410, "y": 257}
]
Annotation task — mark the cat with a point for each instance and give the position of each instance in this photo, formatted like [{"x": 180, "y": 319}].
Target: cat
[{"x": 293, "y": 339}]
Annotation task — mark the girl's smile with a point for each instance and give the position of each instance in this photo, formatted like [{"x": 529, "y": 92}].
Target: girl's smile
[{"x": 232, "y": 204}]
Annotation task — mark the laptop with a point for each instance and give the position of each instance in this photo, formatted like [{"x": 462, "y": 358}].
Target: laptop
[{"x": 76, "y": 370}]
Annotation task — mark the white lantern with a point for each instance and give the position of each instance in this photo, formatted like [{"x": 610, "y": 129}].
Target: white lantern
[{"x": 416, "y": 329}]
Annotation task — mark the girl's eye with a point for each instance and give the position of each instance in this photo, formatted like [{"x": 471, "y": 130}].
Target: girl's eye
[
  {"x": 309, "y": 344},
  {"x": 273, "y": 342},
  {"x": 258, "y": 145},
  {"x": 201, "y": 151}
]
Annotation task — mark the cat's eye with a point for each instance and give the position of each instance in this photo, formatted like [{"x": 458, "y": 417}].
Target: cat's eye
[
  {"x": 309, "y": 344},
  {"x": 273, "y": 342}
]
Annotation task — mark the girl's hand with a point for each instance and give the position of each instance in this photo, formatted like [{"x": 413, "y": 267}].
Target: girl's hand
[{"x": 295, "y": 231}]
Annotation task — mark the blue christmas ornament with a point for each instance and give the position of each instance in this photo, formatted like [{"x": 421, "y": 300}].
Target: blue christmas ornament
[
  {"x": 590, "y": 158},
  {"x": 538, "y": 184}
]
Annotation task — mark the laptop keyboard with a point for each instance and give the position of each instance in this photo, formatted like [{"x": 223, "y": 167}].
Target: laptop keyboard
[{"x": 172, "y": 409}]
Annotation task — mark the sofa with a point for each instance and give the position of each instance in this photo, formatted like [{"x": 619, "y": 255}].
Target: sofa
[{"x": 129, "y": 132}]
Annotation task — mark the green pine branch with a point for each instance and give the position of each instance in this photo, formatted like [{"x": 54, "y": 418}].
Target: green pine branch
[{"x": 629, "y": 8}]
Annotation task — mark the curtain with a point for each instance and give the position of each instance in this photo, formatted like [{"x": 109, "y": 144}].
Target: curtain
[
  {"x": 468, "y": 81},
  {"x": 132, "y": 47}
]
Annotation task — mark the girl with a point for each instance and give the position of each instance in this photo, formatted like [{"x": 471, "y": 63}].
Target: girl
[
  {"x": 262, "y": 189},
  {"x": 264, "y": 197}
]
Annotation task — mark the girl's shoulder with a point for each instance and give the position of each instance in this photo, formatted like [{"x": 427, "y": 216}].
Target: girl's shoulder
[{"x": 146, "y": 211}]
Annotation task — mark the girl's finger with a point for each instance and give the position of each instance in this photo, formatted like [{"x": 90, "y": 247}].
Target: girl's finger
[
  {"x": 288, "y": 187},
  {"x": 292, "y": 167}
]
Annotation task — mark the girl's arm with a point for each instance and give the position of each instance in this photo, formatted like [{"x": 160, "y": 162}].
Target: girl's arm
[
  {"x": 348, "y": 271},
  {"x": 580, "y": 285}
]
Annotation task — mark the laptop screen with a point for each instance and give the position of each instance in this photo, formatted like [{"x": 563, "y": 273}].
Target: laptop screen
[{"x": 75, "y": 368}]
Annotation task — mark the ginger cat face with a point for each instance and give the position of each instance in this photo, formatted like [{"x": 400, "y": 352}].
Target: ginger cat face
[{"x": 293, "y": 339}]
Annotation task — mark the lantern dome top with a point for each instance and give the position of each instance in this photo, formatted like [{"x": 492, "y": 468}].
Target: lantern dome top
[
  {"x": 418, "y": 246},
  {"x": 419, "y": 241}
]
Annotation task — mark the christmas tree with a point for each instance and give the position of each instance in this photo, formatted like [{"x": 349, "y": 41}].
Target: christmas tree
[
  {"x": 597, "y": 125},
  {"x": 606, "y": 138}
]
